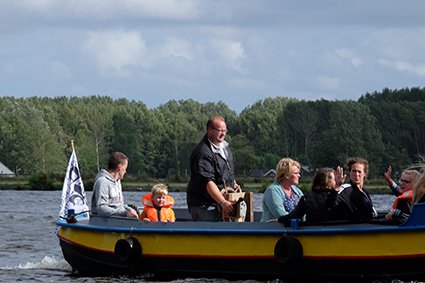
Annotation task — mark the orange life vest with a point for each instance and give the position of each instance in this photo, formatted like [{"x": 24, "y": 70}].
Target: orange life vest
[
  {"x": 407, "y": 195},
  {"x": 166, "y": 212}
]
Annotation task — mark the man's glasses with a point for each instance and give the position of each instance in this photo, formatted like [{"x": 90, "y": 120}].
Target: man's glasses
[{"x": 220, "y": 131}]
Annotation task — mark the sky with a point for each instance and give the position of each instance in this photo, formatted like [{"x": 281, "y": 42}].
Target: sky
[{"x": 237, "y": 52}]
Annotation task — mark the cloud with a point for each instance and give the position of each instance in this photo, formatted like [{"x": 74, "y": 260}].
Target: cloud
[
  {"x": 178, "y": 48},
  {"x": 107, "y": 9},
  {"x": 176, "y": 58},
  {"x": 233, "y": 51},
  {"x": 116, "y": 49},
  {"x": 349, "y": 54},
  {"x": 416, "y": 69},
  {"x": 230, "y": 52}
]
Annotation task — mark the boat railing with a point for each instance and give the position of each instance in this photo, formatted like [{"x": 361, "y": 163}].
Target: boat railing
[{"x": 417, "y": 218}]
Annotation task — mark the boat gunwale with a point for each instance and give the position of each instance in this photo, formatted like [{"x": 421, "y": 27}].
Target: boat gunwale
[
  {"x": 125, "y": 225},
  {"x": 237, "y": 228}
]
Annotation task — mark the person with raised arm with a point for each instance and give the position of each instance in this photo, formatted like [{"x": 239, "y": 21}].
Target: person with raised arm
[
  {"x": 402, "y": 205},
  {"x": 353, "y": 202}
]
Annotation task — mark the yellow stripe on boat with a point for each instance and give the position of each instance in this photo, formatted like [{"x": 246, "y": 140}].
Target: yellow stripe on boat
[
  {"x": 177, "y": 244},
  {"x": 345, "y": 245},
  {"x": 384, "y": 244}
]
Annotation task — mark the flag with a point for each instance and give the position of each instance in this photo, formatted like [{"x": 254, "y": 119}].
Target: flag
[{"x": 73, "y": 194}]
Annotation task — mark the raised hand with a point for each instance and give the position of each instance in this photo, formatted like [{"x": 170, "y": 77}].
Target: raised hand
[
  {"x": 388, "y": 173},
  {"x": 340, "y": 177}
]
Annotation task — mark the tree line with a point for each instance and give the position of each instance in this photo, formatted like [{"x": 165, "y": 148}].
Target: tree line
[{"x": 385, "y": 127}]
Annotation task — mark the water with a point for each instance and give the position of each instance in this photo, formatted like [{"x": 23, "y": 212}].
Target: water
[{"x": 29, "y": 249}]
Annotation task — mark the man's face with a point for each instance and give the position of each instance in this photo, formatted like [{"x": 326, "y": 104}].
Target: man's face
[
  {"x": 122, "y": 169},
  {"x": 217, "y": 133}
]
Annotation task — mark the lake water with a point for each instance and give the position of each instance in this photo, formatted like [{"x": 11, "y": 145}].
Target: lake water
[{"x": 29, "y": 249}]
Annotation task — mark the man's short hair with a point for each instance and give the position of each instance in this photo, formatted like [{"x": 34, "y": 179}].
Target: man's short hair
[
  {"x": 210, "y": 123},
  {"x": 116, "y": 159}
]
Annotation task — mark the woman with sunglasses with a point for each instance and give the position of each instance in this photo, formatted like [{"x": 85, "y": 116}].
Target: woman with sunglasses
[{"x": 403, "y": 191}]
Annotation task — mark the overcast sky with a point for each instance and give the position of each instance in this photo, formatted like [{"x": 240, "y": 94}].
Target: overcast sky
[{"x": 237, "y": 52}]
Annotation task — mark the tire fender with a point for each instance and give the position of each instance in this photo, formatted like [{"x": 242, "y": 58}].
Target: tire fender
[
  {"x": 288, "y": 250},
  {"x": 127, "y": 250}
]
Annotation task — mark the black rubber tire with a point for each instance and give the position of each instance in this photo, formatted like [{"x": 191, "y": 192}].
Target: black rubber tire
[
  {"x": 288, "y": 250},
  {"x": 127, "y": 250}
]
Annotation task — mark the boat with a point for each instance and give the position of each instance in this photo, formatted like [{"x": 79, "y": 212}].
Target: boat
[{"x": 245, "y": 250}]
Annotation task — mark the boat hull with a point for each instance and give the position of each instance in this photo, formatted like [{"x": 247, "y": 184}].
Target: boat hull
[
  {"x": 244, "y": 250},
  {"x": 86, "y": 262}
]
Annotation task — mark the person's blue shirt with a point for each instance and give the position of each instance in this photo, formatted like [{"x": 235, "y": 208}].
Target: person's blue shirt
[{"x": 276, "y": 203}]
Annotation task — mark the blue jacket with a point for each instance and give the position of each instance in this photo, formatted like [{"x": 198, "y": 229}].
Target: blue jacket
[{"x": 273, "y": 201}]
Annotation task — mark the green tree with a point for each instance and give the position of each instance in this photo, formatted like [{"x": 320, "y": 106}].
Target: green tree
[
  {"x": 400, "y": 115},
  {"x": 259, "y": 124},
  {"x": 352, "y": 132},
  {"x": 297, "y": 124},
  {"x": 27, "y": 138},
  {"x": 245, "y": 159}
]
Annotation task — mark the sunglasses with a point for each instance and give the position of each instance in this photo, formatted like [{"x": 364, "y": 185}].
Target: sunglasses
[{"x": 404, "y": 181}]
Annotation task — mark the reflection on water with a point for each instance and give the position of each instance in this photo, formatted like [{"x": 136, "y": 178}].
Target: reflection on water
[{"x": 29, "y": 249}]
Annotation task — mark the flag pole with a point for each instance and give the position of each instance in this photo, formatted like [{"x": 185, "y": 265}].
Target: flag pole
[{"x": 72, "y": 145}]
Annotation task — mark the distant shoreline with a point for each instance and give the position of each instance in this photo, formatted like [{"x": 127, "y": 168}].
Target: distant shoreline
[{"x": 23, "y": 185}]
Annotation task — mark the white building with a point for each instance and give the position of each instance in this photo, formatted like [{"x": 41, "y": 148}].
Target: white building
[{"x": 4, "y": 171}]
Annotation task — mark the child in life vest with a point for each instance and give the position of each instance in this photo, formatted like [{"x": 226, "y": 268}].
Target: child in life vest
[{"x": 158, "y": 205}]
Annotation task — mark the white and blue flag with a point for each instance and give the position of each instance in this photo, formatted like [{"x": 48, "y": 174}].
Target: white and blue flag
[{"x": 73, "y": 194}]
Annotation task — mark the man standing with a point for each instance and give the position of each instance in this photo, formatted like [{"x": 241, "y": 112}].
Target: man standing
[
  {"x": 107, "y": 199},
  {"x": 211, "y": 170}
]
